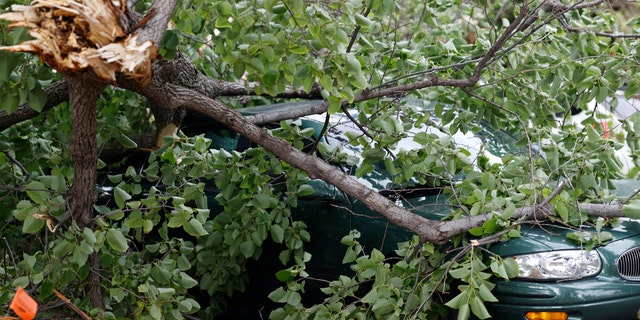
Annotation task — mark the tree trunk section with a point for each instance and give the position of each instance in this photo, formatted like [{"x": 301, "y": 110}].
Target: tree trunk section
[{"x": 83, "y": 94}]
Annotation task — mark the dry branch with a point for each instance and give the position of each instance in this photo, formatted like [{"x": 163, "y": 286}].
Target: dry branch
[{"x": 74, "y": 36}]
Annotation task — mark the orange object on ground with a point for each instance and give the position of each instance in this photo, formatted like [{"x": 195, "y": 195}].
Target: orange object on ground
[{"x": 23, "y": 305}]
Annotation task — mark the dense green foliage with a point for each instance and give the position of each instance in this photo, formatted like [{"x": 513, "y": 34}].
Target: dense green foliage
[{"x": 163, "y": 236}]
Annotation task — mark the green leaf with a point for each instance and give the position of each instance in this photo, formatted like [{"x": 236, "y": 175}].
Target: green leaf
[
  {"x": 305, "y": 190},
  {"x": 578, "y": 236},
  {"x": 116, "y": 240},
  {"x": 134, "y": 220},
  {"x": 120, "y": 196},
  {"x": 54, "y": 182},
  {"x": 279, "y": 8},
  {"x": 170, "y": 39},
  {"x": 37, "y": 192},
  {"x": 464, "y": 312},
  {"x": 335, "y": 104},
  {"x": 341, "y": 37},
  {"x": 62, "y": 248},
  {"x": 374, "y": 154},
  {"x": 478, "y": 231},
  {"x": 46, "y": 289},
  {"x": 278, "y": 295},
  {"x": 486, "y": 294},
  {"x": 277, "y": 233},
  {"x": 37, "y": 98},
  {"x": 299, "y": 49},
  {"x": 160, "y": 274},
  {"x": 225, "y": 8},
  {"x": 126, "y": 142},
  {"x": 358, "y": 80},
  {"x": 460, "y": 273},
  {"x": 286, "y": 275},
  {"x": 115, "y": 178},
  {"x": 459, "y": 300},
  {"x": 352, "y": 64},
  {"x": 184, "y": 263},
  {"x": 188, "y": 306},
  {"x": 187, "y": 281},
  {"x": 32, "y": 225},
  {"x": 178, "y": 219},
  {"x": 247, "y": 248},
  {"x": 421, "y": 138},
  {"x": 10, "y": 102},
  {"x": 499, "y": 269},
  {"x": 89, "y": 235},
  {"x": 117, "y": 294},
  {"x": 257, "y": 64},
  {"x": 30, "y": 260},
  {"x": 270, "y": 78},
  {"x": 511, "y": 266},
  {"x": 155, "y": 312},
  {"x": 562, "y": 210},
  {"x": 594, "y": 71},
  {"x": 269, "y": 39},
  {"x": 604, "y": 236},
  {"x": 147, "y": 225},
  {"x": 350, "y": 255},
  {"x": 363, "y": 21},
  {"x": 195, "y": 228},
  {"x": 9, "y": 63},
  {"x": 21, "y": 282},
  {"x": 478, "y": 308},
  {"x": 382, "y": 307},
  {"x": 263, "y": 200}
]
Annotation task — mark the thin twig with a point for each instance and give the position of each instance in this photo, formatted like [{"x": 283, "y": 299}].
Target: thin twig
[
  {"x": 16, "y": 162},
  {"x": 71, "y": 305},
  {"x": 554, "y": 193},
  {"x": 354, "y": 34},
  {"x": 631, "y": 196},
  {"x": 13, "y": 259}
]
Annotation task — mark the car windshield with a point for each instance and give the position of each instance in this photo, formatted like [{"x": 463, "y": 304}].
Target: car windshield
[{"x": 488, "y": 142}]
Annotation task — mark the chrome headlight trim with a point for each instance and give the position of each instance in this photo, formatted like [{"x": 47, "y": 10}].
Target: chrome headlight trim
[{"x": 559, "y": 265}]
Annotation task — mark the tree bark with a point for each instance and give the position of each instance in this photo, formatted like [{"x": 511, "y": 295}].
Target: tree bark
[
  {"x": 56, "y": 93},
  {"x": 84, "y": 91}
]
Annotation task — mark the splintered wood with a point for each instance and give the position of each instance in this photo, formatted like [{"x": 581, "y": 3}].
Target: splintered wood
[{"x": 73, "y": 36}]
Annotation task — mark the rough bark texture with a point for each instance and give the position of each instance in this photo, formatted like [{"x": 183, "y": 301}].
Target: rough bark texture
[
  {"x": 57, "y": 93},
  {"x": 152, "y": 26},
  {"x": 83, "y": 94}
]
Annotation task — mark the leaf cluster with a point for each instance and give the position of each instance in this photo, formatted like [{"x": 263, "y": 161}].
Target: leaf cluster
[{"x": 161, "y": 234}]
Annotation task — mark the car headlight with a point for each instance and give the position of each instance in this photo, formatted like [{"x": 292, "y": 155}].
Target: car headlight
[{"x": 559, "y": 265}]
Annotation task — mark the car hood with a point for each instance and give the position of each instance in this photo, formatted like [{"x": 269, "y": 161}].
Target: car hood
[
  {"x": 535, "y": 237},
  {"x": 550, "y": 237}
]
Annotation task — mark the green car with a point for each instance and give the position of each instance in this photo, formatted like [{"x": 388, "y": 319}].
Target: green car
[{"x": 558, "y": 278}]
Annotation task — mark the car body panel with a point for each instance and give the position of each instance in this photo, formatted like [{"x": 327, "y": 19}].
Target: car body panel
[{"x": 605, "y": 296}]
